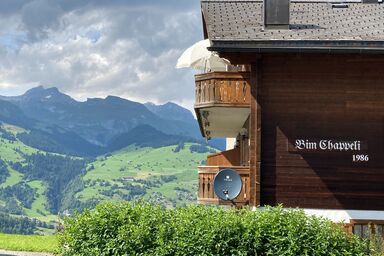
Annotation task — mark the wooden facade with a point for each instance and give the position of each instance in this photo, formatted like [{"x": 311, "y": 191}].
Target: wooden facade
[
  {"x": 322, "y": 97},
  {"x": 314, "y": 134},
  {"x": 334, "y": 97}
]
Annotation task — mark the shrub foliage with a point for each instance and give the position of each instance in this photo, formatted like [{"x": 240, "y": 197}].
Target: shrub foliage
[{"x": 142, "y": 229}]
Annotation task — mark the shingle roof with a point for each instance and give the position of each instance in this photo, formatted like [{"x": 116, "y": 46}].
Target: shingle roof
[{"x": 239, "y": 23}]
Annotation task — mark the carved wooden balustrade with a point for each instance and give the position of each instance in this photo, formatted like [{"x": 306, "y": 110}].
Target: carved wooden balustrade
[
  {"x": 223, "y": 89},
  {"x": 206, "y": 194}
]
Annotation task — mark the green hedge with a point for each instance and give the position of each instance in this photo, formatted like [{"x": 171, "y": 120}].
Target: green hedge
[{"x": 142, "y": 229}]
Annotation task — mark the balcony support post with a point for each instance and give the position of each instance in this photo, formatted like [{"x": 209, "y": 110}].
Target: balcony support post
[{"x": 255, "y": 134}]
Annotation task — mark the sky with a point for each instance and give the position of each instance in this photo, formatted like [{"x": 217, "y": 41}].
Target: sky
[{"x": 95, "y": 48}]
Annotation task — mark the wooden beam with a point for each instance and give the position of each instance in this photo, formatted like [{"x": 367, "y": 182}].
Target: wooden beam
[
  {"x": 255, "y": 134},
  {"x": 239, "y": 58}
]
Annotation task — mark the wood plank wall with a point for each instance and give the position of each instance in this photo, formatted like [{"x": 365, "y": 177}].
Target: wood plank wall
[
  {"x": 226, "y": 158},
  {"x": 322, "y": 97}
]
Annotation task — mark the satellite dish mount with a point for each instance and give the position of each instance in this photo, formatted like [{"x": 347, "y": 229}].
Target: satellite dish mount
[{"x": 227, "y": 185}]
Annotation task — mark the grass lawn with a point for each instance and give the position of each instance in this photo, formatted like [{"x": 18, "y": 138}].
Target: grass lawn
[{"x": 30, "y": 243}]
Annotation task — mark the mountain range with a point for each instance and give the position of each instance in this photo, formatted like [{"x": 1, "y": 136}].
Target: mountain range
[
  {"x": 59, "y": 155},
  {"x": 55, "y": 122}
]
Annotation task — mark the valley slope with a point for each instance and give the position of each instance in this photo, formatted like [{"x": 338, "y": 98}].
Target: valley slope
[
  {"x": 58, "y": 155},
  {"x": 43, "y": 185}
]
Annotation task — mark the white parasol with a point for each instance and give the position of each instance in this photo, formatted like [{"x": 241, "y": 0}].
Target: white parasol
[{"x": 197, "y": 56}]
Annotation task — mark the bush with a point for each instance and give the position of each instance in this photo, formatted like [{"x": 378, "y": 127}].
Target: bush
[
  {"x": 142, "y": 229},
  {"x": 376, "y": 241}
]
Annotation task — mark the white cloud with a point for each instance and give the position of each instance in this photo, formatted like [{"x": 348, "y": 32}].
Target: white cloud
[{"x": 128, "y": 49}]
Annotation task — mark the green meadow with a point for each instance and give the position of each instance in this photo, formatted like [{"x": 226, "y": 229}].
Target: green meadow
[
  {"x": 164, "y": 175},
  {"x": 29, "y": 243},
  {"x": 137, "y": 165},
  {"x": 14, "y": 151}
]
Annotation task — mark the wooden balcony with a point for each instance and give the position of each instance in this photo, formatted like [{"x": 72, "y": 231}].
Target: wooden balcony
[
  {"x": 239, "y": 156},
  {"x": 225, "y": 158},
  {"x": 206, "y": 194},
  {"x": 222, "y": 102},
  {"x": 223, "y": 89}
]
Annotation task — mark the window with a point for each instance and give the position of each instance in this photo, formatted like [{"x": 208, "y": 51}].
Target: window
[{"x": 363, "y": 230}]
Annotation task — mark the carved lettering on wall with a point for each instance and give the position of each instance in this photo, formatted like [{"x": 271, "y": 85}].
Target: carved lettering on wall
[
  {"x": 358, "y": 148},
  {"x": 328, "y": 145}
]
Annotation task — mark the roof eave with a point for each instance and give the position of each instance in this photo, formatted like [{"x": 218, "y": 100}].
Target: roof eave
[{"x": 297, "y": 46}]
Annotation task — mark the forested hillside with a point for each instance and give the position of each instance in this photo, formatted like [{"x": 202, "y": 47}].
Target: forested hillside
[
  {"x": 42, "y": 186},
  {"x": 59, "y": 155}
]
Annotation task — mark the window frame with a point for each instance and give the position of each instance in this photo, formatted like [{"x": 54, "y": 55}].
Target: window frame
[{"x": 370, "y": 226}]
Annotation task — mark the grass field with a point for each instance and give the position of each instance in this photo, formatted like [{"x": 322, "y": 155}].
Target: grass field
[
  {"x": 146, "y": 164},
  {"x": 10, "y": 151},
  {"x": 38, "y": 209},
  {"x": 13, "y": 178},
  {"x": 30, "y": 243},
  {"x": 159, "y": 175}
]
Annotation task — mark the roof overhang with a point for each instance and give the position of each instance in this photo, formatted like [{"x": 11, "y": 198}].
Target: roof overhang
[{"x": 297, "y": 46}]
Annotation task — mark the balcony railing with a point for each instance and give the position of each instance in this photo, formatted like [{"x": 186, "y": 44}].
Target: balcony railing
[
  {"x": 223, "y": 89},
  {"x": 206, "y": 194}
]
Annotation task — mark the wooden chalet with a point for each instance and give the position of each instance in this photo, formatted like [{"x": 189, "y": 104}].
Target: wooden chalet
[{"x": 304, "y": 102}]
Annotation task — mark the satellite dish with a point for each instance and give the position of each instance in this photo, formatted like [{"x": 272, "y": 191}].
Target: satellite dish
[{"x": 227, "y": 184}]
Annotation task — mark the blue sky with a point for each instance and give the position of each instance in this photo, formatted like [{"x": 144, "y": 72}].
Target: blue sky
[{"x": 95, "y": 48}]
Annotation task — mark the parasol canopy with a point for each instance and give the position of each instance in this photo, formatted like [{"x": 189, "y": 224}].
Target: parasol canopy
[{"x": 197, "y": 56}]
